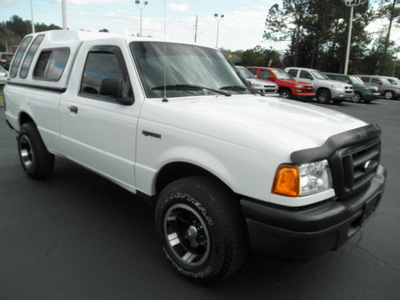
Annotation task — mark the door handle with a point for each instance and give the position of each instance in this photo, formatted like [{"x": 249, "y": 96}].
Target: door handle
[{"x": 73, "y": 109}]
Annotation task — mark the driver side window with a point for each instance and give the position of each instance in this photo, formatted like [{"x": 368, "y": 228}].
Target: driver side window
[
  {"x": 305, "y": 75},
  {"x": 264, "y": 74},
  {"x": 102, "y": 65}
]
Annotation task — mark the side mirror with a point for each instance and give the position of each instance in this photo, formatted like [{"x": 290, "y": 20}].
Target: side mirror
[
  {"x": 272, "y": 78},
  {"x": 113, "y": 87}
]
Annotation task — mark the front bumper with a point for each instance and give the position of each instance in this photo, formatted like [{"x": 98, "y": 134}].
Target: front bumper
[
  {"x": 338, "y": 94},
  {"x": 312, "y": 230},
  {"x": 370, "y": 96}
]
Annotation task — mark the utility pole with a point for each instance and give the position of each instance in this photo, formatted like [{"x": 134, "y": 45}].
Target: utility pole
[{"x": 195, "y": 28}]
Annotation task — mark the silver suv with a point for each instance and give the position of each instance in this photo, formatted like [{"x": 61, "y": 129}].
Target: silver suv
[
  {"x": 325, "y": 88},
  {"x": 386, "y": 89}
]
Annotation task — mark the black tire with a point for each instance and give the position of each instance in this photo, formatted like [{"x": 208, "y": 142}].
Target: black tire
[
  {"x": 356, "y": 97},
  {"x": 201, "y": 228},
  {"x": 389, "y": 95},
  {"x": 285, "y": 93},
  {"x": 35, "y": 159},
  {"x": 324, "y": 96}
]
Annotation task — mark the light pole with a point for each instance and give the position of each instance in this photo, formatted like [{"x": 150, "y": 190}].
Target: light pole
[
  {"x": 218, "y": 20},
  {"x": 33, "y": 23},
  {"x": 141, "y": 8},
  {"x": 350, "y": 3},
  {"x": 64, "y": 14}
]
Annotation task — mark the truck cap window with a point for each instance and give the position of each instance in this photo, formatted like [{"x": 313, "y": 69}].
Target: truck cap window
[
  {"x": 190, "y": 70},
  {"x": 18, "y": 56},
  {"x": 29, "y": 56},
  {"x": 51, "y": 64}
]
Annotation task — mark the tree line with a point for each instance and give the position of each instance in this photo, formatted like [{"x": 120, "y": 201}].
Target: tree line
[
  {"x": 318, "y": 34},
  {"x": 14, "y": 30}
]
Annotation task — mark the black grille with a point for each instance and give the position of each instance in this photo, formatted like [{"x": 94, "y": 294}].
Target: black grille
[{"x": 354, "y": 167}]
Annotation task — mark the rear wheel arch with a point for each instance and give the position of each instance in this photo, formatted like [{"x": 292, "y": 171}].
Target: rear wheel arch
[{"x": 25, "y": 118}]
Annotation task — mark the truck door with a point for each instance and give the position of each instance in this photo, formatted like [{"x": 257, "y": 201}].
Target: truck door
[{"x": 98, "y": 126}]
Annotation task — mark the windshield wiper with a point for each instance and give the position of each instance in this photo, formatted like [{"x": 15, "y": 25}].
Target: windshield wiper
[
  {"x": 233, "y": 88},
  {"x": 189, "y": 86}
]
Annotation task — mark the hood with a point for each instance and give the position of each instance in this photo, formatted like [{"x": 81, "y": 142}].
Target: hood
[
  {"x": 259, "y": 122},
  {"x": 336, "y": 82}
]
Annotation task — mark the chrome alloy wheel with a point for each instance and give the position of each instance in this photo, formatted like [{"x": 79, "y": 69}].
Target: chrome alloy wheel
[
  {"x": 187, "y": 235},
  {"x": 26, "y": 152}
]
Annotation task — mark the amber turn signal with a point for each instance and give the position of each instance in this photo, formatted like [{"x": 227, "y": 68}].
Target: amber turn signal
[{"x": 287, "y": 181}]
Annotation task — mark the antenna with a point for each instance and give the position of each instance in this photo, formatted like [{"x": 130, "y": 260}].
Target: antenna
[{"x": 165, "y": 69}]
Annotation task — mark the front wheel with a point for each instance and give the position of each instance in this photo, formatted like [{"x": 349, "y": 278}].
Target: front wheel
[
  {"x": 286, "y": 94},
  {"x": 201, "y": 229},
  {"x": 35, "y": 159},
  {"x": 356, "y": 97},
  {"x": 324, "y": 96}
]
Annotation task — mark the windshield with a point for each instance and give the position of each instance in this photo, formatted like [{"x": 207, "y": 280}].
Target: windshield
[
  {"x": 246, "y": 73},
  {"x": 356, "y": 80},
  {"x": 320, "y": 75},
  {"x": 190, "y": 70},
  {"x": 384, "y": 81},
  {"x": 394, "y": 81},
  {"x": 282, "y": 75}
]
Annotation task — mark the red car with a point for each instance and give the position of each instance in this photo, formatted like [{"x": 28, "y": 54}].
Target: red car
[{"x": 288, "y": 87}]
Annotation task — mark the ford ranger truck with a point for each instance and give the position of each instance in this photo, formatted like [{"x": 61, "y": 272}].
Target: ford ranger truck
[{"x": 228, "y": 170}]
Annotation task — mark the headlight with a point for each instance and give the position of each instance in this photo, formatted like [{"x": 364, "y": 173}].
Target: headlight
[
  {"x": 298, "y": 86},
  {"x": 337, "y": 86},
  {"x": 303, "y": 180},
  {"x": 257, "y": 86}
]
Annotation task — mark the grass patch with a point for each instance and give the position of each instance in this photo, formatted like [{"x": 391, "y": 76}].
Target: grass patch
[{"x": 1, "y": 96}]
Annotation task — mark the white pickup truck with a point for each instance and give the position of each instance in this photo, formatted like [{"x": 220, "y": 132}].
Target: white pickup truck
[{"x": 227, "y": 169}]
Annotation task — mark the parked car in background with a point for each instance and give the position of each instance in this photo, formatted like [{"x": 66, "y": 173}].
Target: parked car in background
[
  {"x": 386, "y": 89},
  {"x": 393, "y": 80},
  {"x": 266, "y": 88},
  {"x": 5, "y": 59},
  {"x": 3, "y": 76},
  {"x": 326, "y": 89},
  {"x": 288, "y": 87},
  {"x": 362, "y": 91}
]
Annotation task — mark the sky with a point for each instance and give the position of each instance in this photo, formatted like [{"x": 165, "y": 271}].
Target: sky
[{"x": 241, "y": 27}]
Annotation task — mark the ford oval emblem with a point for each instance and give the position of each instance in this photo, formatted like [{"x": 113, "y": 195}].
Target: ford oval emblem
[{"x": 368, "y": 166}]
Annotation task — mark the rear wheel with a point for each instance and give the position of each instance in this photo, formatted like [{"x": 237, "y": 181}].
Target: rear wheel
[
  {"x": 35, "y": 159},
  {"x": 201, "y": 229},
  {"x": 323, "y": 96},
  {"x": 389, "y": 95}
]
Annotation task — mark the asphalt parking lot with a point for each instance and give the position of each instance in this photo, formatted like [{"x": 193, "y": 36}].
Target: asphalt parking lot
[{"x": 77, "y": 236}]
